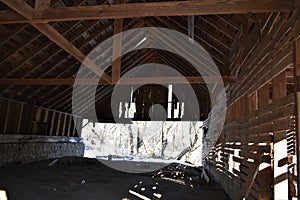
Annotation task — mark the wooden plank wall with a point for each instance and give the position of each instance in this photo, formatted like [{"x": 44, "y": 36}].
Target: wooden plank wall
[
  {"x": 25, "y": 119},
  {"x": 261, "y": 106}
]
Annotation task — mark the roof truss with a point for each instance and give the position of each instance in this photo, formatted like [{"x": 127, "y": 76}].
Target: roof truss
[{"x": 176, "y": 8}]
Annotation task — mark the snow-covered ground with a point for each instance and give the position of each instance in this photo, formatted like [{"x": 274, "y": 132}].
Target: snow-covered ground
[{"x": 144, "y": 141}]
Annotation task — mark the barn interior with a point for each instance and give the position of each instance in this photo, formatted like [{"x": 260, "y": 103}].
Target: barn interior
[{"x": 70, "y": 69}]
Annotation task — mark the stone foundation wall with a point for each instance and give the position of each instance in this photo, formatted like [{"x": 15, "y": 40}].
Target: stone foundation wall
[{"x": 31, "y": 151}]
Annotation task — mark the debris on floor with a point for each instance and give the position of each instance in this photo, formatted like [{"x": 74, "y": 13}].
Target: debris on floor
[{"x": 66, "y": 178}]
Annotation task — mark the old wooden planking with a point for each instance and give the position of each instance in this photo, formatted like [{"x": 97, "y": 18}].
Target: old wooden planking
[
  {"x": 132, "y": 10},
  {"x": 297, "y": 105},
  {"x": 279, "y": 40},
  {"x": 247, "y": 47},
  {"x": 13, "y": 116},
  {"x": 278, "y": 114},
  {"x": 26, "y": 119},
  {"x": 279, "y": 87},
  {"x": 267, "y": 70},
  {"x": 288, "y": 100},
  {"x": 263, "y": 96},
  {"x": 264, "y": 51}
]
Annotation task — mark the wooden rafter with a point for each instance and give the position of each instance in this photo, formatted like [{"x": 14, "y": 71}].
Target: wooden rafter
[
  {"x": 71, "y": 64},
  {"x": 133, "y": 81},
  {"x": 26, "y": 11},
  {"x": 177, "y": 8},
  {"x": 176, "y": 25},
  {"x": 219, "y": 25},
  {"x": 63, "y": 94},
  {"x": 103, "y": 91}
]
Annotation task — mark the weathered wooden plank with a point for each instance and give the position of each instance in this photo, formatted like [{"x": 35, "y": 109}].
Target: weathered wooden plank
[
  {"x": 252, "y": 102},
  {"x": 234, "y": 49},
  {"x": 20, "y": 118},
  {"x": 180, "y": 8},
  {"x": 21, "y": 6},
  {"x": 52, "y": 124},
  {"x": 26, "y": 120},
  {"x": 130, "y": 81},
  {"x": 62, "y": 42},
  {"x": 261, "y": 56},
  {"x": 265, "y": 181},
  {"x": 58, "y": 124},
  {"x": 263, "y": 96},
  {"x": 279, "y": 87},
  {"x": 282, "y": 103},
  {"x": 3, "y": 108},
  {"x": 247, "y": 47},
  {"x": 278, "y": 114},
  {"x": 219, "y": 25},
  {"x": 297, "y": 104},
  {"x": 12, "y": 117}
]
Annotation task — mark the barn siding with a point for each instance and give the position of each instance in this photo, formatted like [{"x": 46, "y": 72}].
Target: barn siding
[
  {"x": 261, "y": 108},
  {"x": 25, "y": 119}
]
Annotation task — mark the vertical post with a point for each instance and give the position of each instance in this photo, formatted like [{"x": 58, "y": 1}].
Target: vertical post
[
  {"x": 20, "y": 118},
  {"x": 64, "y": 124},
  {"x": 297, "y": 91},
  {"x": 52, "y": 123},
  {"x": 58, "y": 124},
  {"x": 69, "y": 125},
  {"x": 6, "y": 117},
  {"x": 191, "y": 27}
]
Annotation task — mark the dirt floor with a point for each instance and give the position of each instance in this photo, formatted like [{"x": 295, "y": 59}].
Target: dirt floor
[{"x": 88, "y": 179}]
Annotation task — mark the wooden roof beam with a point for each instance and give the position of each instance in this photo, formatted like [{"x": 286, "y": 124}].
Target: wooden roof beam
[
  {"x": 125, "y": 81},
  {"x": 26, "y": 11},
  {"x": 176, "y": 8}
]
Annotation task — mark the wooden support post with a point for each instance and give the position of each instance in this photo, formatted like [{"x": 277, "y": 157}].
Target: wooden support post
[
  {"x": 20, "y": 118},
  {"x": 58, "y": 124},
  {"x": 6, "y": 117},
  {"x": 191, "y": 27},
  {"x": 297, "y": 90},
  {"x": 70, "y": 126},
  {"x": 280, "y": 144},
  {"x": 117, "y": 48},
  {"x": 12, "y": 117},
  {"x": 79, "y": 126},
  {"x": 3, "y": 108},
  {"x": 64, "y": 124},
  {"x": 52, "y": 124},
  {"x": 73, "y": 126}
]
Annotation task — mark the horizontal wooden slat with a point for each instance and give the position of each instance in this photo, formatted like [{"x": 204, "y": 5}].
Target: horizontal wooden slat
[
  {"x": 177, "y": 8},
  {"x": 133, "y": 80}
]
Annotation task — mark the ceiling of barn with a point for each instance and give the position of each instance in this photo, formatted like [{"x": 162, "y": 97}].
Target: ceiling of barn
[{"x": 36, "y": 52}]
